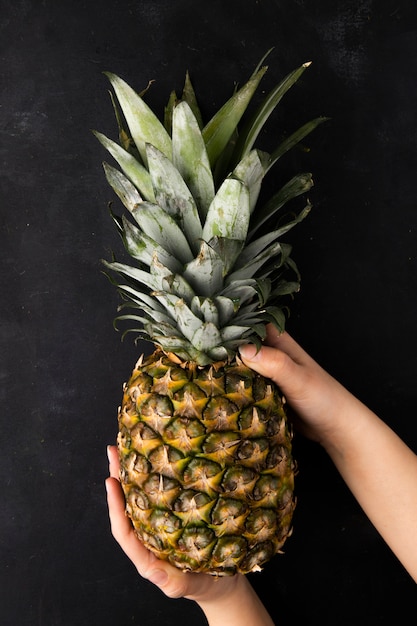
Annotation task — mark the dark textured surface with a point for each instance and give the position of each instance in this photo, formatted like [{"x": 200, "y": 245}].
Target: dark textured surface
[{"x": 62, "y": 365}]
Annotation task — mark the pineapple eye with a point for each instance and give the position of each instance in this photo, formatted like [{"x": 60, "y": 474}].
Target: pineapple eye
[
  {"x": 268, "y": 491},
  {"x": 190, "y": 500},
  {"x": 161, "y": 491},
  {"x": 228, "y": 508},
  {"x": 229, "y": 550},
  {"x": 253, "y": 452},
  {"x": 191, "y": 427},
  {"x": 164, "y": 522},
  {"x": 237, "y": 480},
  {"x": 167, "y": 461},
  {"x": 193, "y": 508},
  {"x": 261, "y": 521},
  {"x": 201, "y": 469},
  {"x": 220, "y": 414},
  {"x": 277, "y": 459},
  {"x": 136, "y": 466},
  {"x": 258, "y": 556},
  {"x": 157, "y": 484},
  {"x": 196, "y": 539},
  {"x": 222, "y": 447},
  {"x": 137, "y": 498}
]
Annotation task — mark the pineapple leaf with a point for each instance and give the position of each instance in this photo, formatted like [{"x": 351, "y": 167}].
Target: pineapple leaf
[
  {"x": 221, "y": 353},
  {"x": 190, "y": 156},
  {"x": 187, "y": 322},
  {"x": 265, "y": 56},
  {"x": 172, "y": 102},
  {"x": 129, "y": 317},
  {"x": 228, "y": 250},
  {"x": 188, "y": 96},
  {"x": 137, "y": 298},
  {"x": 200, "y": 290},
  {"x": 166, "y": 329},
  {"x": 277, "y": 317},
  {"x": 285, "y": 288},
  {"x": 248, "y": 321},
  {"x": 293, "y": 139},
  {"x": 173, "y": 195},
  {"x": 122, "y": 186},
  {"x": 259, "y": 335},
  {"x": 228, "y": 215},
  {"x": 226, "y": 309},
  {"x": 152, "y": 314},
  {"x": 141, "y": 333},
  {"x": 299, "y": 184},
  {"x": 290, "y": 263},
  {"x": 251, "y": 170},
  {"x": 256, "y": 246},
  {"x": 240, "y": 292},
  {"x": 250, "y": 269},
  {"x": 299, "y": 218},
  {"x": 143, "y": 124},
  {"x": 250, "y": 133},
  {"x": 177, "y": 285},
  {"x": 138, "y": 275},
  {"x": 159, "y": 269},
  {"x": 221, "y": 127},
  {"x": 125, "y": 139},
  {"x": 263, "y": 288},
  {"x": 207, "y": 308},
  {"x": 136, "y": 173},
  {"x": 143, "y": 248},
  {"x": 207, "y": 336},
  {"x": 230, "y": 333},
  {"x": 117, "y": 221},
  {"x": 161, "y": 227},
  {"x": 205, "y": 272}
]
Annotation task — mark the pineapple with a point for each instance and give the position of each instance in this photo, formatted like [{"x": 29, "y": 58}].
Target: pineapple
[{"x": 204, "y": 442}]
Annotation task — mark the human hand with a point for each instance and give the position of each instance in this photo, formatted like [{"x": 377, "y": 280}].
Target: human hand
[
  {"x": 322, "y": 406},
  {"x": 172, "y": 581},
  {"x": 376, "y": 464}
]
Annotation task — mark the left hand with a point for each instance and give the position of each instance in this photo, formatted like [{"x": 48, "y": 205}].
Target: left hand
[{"x": 172, "y": 581}]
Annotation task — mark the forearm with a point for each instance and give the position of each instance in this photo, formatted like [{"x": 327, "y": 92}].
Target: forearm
[
  {"x": 381, "y": 472},
  {"x": 379, "y": 468},
  {"x": 240, "y": 607}
]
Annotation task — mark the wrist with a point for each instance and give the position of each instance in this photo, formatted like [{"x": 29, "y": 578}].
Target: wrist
[{"x": 234, "y": 603}]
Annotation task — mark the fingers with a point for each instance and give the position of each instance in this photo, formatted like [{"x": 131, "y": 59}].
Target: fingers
[
  {"x": 121, "y": 527},
  {"x": 309, "y": 390},
  {"x": 122, "y": 531},
  {"x": 114, "y": 465},
  {"x": 278, "y": 363},
  {"x": 285, "y": 343}
]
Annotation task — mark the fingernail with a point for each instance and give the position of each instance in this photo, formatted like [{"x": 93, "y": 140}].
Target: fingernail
[
  {"x": 158, "y": 577},
  {"x": 248, "y": 351}
]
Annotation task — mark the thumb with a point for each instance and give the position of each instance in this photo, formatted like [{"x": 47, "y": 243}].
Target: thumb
[{"x": 274, "y": 364}]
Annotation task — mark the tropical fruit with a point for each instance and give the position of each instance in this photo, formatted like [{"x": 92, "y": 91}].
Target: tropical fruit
[{"x": 204, "y": 442}]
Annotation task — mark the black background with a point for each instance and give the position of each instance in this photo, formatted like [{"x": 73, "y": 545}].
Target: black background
[{"x": 62, "y": 364}]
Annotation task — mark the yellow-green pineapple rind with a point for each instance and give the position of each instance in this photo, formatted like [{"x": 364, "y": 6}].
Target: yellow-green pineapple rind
[{"x": 206, "y": 462}]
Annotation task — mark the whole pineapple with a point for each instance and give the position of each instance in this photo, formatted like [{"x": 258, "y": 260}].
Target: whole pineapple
[{"x": 204, "y": 442}]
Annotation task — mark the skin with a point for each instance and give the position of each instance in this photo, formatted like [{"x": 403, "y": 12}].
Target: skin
[{"x": 379, "y": 468}]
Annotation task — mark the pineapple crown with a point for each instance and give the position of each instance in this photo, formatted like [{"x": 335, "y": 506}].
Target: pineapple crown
[{"x": 207, "y": 277}]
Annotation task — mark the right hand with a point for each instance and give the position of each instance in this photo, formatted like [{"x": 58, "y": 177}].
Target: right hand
[{"x": 322, "y": 405}]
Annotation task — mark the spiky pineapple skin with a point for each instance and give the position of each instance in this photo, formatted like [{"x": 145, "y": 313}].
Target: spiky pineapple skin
[{"x": 206, "y": 464}]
